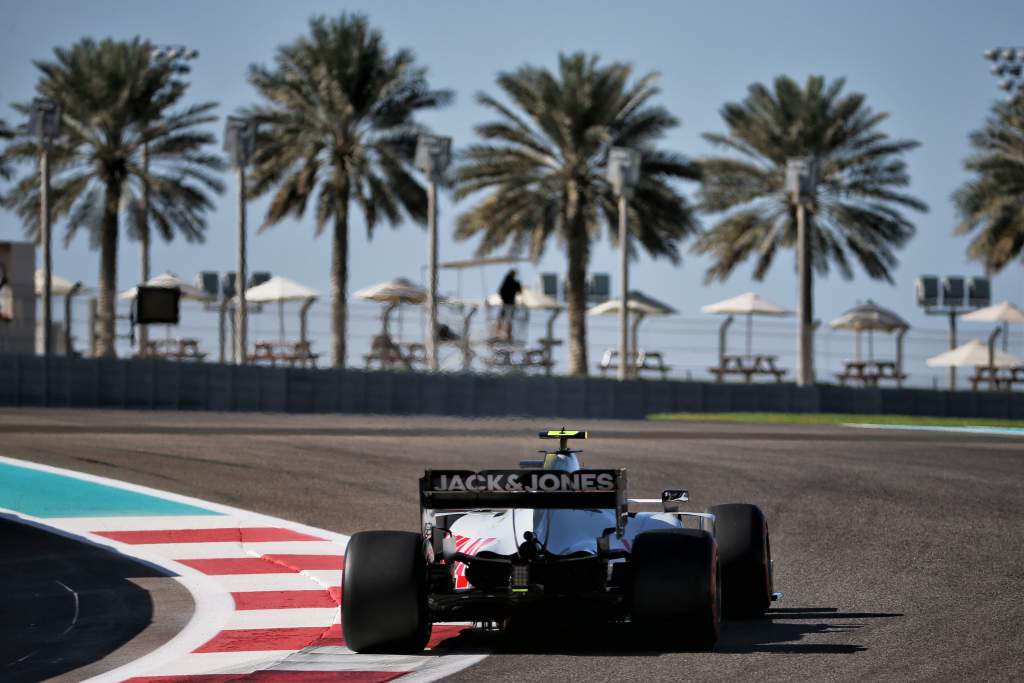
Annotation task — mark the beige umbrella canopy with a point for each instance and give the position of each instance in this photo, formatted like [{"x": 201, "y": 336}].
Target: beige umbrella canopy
[
  {"x": 170, "y": 281},
  {"x": 281, "y": 289},
  {"x": 971, "y": 354},
  {"x": 640, "y": 305},
  {"x": 1004, "y": 312},
  {"x": 58, "y": 286},
  {"x": 393, "y": 293},
  {"x": 869, "y": 317},
  {"x": 748, "y": 304},
  {"x": 397, "y": 291}
]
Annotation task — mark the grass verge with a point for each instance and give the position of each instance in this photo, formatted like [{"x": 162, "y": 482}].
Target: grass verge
[{"x": 835, "y": 418}]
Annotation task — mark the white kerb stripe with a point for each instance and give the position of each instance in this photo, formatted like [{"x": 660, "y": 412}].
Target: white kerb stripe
[{"x": 282, "y": 618}]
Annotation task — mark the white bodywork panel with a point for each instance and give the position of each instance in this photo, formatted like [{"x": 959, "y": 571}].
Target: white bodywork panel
[{"x": 561, "y": 531}]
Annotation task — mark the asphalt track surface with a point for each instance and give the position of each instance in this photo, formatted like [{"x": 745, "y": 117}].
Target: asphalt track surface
[{"x": 901, "y": 553}]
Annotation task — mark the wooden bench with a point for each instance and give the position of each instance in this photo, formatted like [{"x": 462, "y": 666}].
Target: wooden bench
[
  {"x": 749, "y": 367},
  {"x": 643, "y": 361},
  {"x": 291, "y": 353},
  {"x": 388, "y": 354},
  {"x": 869, "y": 373},
  {"x": 172, "y": 349},
  {"x": 997, "y": 378}
]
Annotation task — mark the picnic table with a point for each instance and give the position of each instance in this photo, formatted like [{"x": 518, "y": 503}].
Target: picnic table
[
  {"x": 389, "y": 354},
  {"x": 517, "y": 359},
  {"x": 172, "y": 349},
  {"x": 997, "y": 378},
  {"x": 870, "y": 372},
  {"x": 748, "y": 366},
  {"x": 643, "y": 361},
  {"x": 292, "y": 353}
]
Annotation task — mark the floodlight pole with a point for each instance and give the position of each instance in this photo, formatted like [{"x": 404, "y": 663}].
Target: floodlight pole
[
  {"x": 624, "y": 358},
  {"x": 47, "y": 236},
  {"x": 45, "y": 123},
  {"x": 144, "y": 240},
  {"x": 240, "y": 275},
  {"x": 623, "y": 173},
  {"x": 952, "y": 345},
  {"x": 433, "y": 154},
  {"x": 431, "y": 336}
]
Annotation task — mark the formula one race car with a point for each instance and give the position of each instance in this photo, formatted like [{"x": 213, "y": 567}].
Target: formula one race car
[{"x": 497, "y": 544}]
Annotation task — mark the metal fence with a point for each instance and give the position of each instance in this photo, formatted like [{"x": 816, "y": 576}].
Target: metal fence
[
  {"x": 689, "y": 345},
  {"x": 27, "y": 380}
]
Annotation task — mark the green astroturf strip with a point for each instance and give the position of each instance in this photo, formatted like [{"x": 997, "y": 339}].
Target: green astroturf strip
[
  {"x": 836, "y": 418},
  {"x": 46, "y": 494}
]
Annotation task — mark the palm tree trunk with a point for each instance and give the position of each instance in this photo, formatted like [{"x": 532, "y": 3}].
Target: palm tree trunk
[
  {"x": 339, "y": 278},
  {"x": 106, "y": 339},
  {"x": 576, "y": 295}
]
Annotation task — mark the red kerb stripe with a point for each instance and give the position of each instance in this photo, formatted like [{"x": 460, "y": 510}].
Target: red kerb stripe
[
  {"x": 258, "y": 639},
  {"x": 284, "y": 599},
  {"x": 239, "y": 565},
  {"x": 246, "y": 535},
  {"x": 439, "y": 634}
]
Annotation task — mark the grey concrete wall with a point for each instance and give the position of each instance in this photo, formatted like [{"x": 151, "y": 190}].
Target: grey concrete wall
[{"x": 27, "y": 380}]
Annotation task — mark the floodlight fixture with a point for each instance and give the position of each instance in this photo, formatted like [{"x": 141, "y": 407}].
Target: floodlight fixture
[
  {"x": 433, "y": 155},
  {"x": 240, "y": 139},
  {"x": 44, "y": 119},
  {"x": 623, "y": 170}
]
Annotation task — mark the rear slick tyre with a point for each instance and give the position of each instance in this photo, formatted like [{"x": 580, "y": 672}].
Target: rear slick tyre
[
  {"x": 744, "y": 552},
  {"x": 676, "y": 602},
  {"x": 384, "y": 593}
]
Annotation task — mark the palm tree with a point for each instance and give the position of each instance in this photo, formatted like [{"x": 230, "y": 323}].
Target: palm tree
[
  {"x": 337, "y": 126},
  {"x": 542, "y": 162},
  {"x": 110, "y": 92},
  {"x": 856, "y": 208},
  {"x": 992, "y": 202}
]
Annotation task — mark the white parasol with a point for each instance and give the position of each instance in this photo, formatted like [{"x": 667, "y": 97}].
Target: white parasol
[
  {"x": 170, "y": 281},
  {"x": 748, "y": 304},
  {"x": 281, "y": 289},
  {"x": 971, "y": 354}
]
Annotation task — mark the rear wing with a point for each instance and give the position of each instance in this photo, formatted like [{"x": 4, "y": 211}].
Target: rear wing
[{"x": 524, "y": 489}]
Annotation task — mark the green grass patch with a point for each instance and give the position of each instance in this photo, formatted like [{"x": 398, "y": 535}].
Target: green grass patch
[{"x": 835, "y": 418}]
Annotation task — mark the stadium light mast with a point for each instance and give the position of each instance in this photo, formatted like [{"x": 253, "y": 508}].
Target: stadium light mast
[
  {"x": 623, "y": 174},
  {"x": 44, "y": 122},
  {"x": 239, "y": 143},
  {"x": 433, "y": 155}
]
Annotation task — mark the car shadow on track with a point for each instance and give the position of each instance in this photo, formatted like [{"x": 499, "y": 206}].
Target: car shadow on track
[{"x": 785, "y": 630}]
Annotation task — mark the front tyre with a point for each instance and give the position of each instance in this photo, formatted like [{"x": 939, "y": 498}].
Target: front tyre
[
  {"x": 675, "y": 596},
  {"x": 744, "y": 552},
  {"x": 384, "y": 593}
]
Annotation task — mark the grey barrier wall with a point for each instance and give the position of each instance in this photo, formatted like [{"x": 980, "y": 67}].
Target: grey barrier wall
[{"x": 27, "y": 380}]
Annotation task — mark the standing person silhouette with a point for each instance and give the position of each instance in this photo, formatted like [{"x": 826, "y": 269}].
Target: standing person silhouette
[{"x": 510, "y": 287}]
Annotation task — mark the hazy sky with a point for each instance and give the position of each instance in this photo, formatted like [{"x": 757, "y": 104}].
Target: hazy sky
[{"x": 920, "y": 61}]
